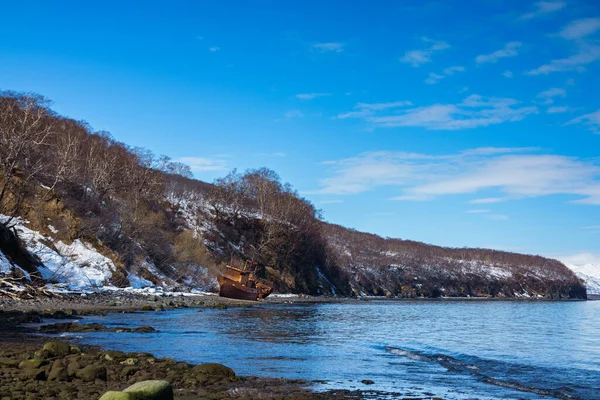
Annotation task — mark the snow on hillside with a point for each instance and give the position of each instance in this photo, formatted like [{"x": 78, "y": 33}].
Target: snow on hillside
[
  {"x": 587, "y": 267},
  {"x": 78, "y": 265}
]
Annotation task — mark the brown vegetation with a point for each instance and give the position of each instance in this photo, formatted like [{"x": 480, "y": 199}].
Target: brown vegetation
[{"x": 139, "y": 209}]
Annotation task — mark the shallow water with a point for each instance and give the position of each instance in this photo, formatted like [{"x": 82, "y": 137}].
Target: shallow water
[{"x": 453, "y": 349}]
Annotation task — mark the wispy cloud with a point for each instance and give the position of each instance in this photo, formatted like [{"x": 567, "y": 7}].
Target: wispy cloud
[
  {"x": 294, "y": 114},
  {"x": 513, "y": 172},
  {"x": 204, "y": 164},
  {"x": 329, "y": 47},
  {"x": 365, "y": 109},
  {"x": 418, "y": 57},
  {"x": 332, "y": 201},
  {"x": 548, "y": 95},
  {"x": 580, "y": 28},
  {"x": 586, "y": 54},
  {"x": 558, "y": 109},
  {"x": 510, "y": 49},
  {"x": 507, "y": 74},
  {"x": 435, "y": 78},
  {"x": 497, "y": 217},
  {"x": 477, "y": 211},
  {"x": 592, "y": 120},
  {"x": 310, "y": 96},
  {"x": 473, "y": 112},
  {"x": 543, "y": 8},
  {"x": 593, "y": 227},
  {"x": 214, "y": 48}
]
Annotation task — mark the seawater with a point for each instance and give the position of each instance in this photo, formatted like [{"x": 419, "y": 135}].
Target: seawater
[{"x": 452, "y": 349}]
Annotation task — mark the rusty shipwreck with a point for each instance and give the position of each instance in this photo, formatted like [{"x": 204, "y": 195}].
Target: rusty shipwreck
[{"x": 242, "y": 283}]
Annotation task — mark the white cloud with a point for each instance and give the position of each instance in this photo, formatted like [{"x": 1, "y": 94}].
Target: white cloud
[
  {"x": 333, "y": 201},
  {"x": 558, "y": 109},
  {"x": 549, "y": 95},
  {"x": 580, "y": 28},
  {"x": 435, "y": 78},
  {"x": 587, "y": 54},
  {"x": 593, "y": 227},
  {"x": 294, "y": 114},
  {"x": 592, "y": 120},
  {"x": 507, "y": 74},
  {"x": 310, "y": 96},
  {"x": 477, "y": 211},
  {"x": 423, "y": 56},
  {"x": 514, "y": 173},
  {"x": 214, "y": 48},
  {"x": 497, "y": 217},
  {"x": 365, "y": 109},
  {"x": 543, "y": 8},
  {"x": 329, "y": 47},
  {"x": 202, "y": 164},
  {"x": 509, "y": 50},
  {"x": 474, "y": 111}
]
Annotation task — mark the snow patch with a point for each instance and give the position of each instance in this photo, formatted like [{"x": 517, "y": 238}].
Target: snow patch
[
  {"x": 137, "y": 282},
  {"x": 5, "y": 267}
]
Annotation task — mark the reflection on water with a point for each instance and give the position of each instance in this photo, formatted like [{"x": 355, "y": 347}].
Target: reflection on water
[{"x": 458, "y": 350}]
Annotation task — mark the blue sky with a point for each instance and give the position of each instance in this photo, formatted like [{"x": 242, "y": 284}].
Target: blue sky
[{"x": 452, "y": 122}]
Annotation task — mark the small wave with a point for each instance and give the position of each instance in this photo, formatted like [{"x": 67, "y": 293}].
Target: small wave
[{"x": 455, "y": 365}]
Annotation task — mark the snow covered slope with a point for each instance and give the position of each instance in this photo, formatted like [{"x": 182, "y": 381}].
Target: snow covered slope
[{"x": 587, "y": 267}]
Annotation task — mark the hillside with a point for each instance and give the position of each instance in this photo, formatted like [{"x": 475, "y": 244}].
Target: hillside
[{"x": 81, "y": 209}]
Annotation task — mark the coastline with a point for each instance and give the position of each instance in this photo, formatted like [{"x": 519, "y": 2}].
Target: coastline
[{"x": 20, "y": 342}]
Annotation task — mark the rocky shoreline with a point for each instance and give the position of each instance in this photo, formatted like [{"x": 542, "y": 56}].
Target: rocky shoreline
[{"x": 33, "y": 366}]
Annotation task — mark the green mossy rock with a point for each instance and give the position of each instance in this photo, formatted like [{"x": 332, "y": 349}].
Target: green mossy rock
[
  {"x": 147, "y": 307},
  {"x": 57, "y": 349},
  {"x": 91, "y": 373},
  {"x": 214, "y": 369},
  {"x": 151, "y": 390},
  {"x": 33, "y": 363},
  {"x": 116, "y": 396},
  {"x": 114, "y": 355}
]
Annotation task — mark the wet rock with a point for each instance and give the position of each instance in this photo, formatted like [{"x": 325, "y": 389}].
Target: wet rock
[
  {"x": 367, "y": 381},
  {"x": 151, "y": 390},
  {"x": 57, "y": 349},
  {"x": 37, "y": 374},
  {"x": 33, "y": 363},
  {"x": 73, "y": 367},
  {"x": 112, "y": 355},
  {"x": 147, "y": 307},
  {"x": 129, "y": 370},
  {"x": 58, "y": 372},
  {"x": 90, "y": 373},
  {"x": 213, "y": 369}
]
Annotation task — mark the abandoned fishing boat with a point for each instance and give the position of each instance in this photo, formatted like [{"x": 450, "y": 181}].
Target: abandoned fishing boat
[{"x": 243, "y": 284}]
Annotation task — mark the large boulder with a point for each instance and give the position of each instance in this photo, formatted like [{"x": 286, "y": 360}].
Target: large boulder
[
  {"x": 150, "y": 390},
  {"x": 90, "y": 373},
  {"x": 57, "y": 349},
  {"x": 214, "y": 369}
]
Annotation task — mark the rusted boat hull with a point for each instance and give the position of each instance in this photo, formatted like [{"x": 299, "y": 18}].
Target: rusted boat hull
[{"x": 236, "y": 290}]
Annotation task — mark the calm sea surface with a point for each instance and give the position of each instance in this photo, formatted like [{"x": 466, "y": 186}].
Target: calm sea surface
[{"x": 453, "y": 349}]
